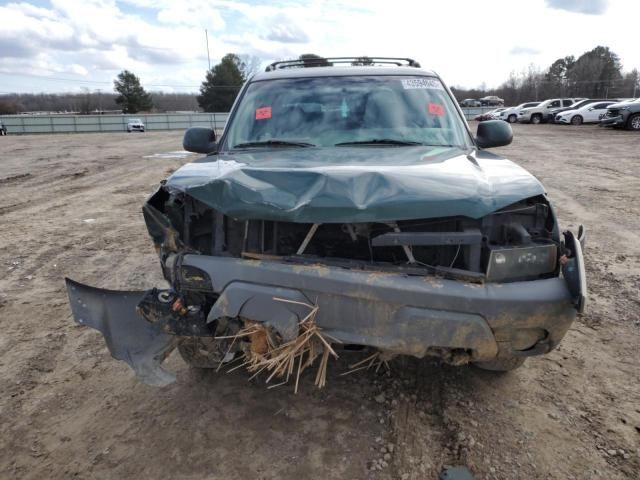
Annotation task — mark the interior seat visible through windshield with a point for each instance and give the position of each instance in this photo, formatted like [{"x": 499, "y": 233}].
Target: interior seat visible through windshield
[{"x": 327, "y": 111}]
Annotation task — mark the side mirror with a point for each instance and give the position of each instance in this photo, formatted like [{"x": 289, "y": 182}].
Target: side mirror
[
  {"x": 200, "y": 140},
  {"x": 494, "y": 133}
]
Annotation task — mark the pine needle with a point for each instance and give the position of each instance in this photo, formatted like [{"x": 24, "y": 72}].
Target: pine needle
[{"x": 279, "y": 361}]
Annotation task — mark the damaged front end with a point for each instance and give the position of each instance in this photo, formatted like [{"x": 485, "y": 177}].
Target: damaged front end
[{"x": 464, "y": 289}]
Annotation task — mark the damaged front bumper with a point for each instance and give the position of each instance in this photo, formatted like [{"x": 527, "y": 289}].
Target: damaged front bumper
[
  {"x": 395, "y": 312},
  {"x": 616, "y": 121}
]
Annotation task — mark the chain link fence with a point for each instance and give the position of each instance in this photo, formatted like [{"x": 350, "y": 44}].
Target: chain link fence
[{"x": 54, "y": 123}]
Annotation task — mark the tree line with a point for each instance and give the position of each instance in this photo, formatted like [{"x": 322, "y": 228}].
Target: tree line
[
  {"x": 594, "y": 74},
  {"x": 90, "y": 102},
  {"x": 217, "y": 93}
]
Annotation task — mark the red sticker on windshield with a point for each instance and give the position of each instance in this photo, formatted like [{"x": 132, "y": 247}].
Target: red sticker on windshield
[
  {"x": 263, "y": 113},
  {"x": 436, "y": 109}
]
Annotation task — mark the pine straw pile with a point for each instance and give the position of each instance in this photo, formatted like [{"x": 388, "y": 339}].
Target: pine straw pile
[{"x": 263, "y": 352}]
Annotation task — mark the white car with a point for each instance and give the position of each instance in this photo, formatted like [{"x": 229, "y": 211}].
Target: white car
[
  {"x": 540, "y": 113},
  {"x": 495, "y": 114},
  {"x": 135, "y": 124},
  {"x": 511, "y": 114},
  {"x": 589, "y": 113}
]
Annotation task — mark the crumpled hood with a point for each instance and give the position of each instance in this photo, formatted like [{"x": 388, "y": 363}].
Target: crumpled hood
[{"x": 355, "y": 184}]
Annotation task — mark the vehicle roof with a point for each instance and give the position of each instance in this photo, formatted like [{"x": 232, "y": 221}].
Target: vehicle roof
[{"x": 302, "y": 72}]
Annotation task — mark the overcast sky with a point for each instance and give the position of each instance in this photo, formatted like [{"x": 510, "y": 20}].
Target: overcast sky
[{"x": 65, "y": 45}]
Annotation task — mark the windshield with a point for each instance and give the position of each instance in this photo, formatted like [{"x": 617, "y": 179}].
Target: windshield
[
  {"x": 580, "y": 104},
  {"x": 328, "y": 111}
]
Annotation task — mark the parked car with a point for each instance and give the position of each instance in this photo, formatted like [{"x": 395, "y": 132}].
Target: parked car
[
  {"x": 588, "y": 113},
  {"x": 542, "y": 112},
  {"x": 135, "y": 124},
  {"x": 470, "y": 102},
  {"x": 490, "y": 115},
  {"x": 623, "y": 115},
  {"x": 492, "y": 100},
  {"x": 578, "y": 104},
  {"x": 319, "y": 208},
  {"x": 511, "y": 114},
  {"x": 3, "y": 129}
]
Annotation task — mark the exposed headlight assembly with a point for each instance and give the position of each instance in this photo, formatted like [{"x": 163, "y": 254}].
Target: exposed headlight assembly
[{"x": 521, "y": 263}]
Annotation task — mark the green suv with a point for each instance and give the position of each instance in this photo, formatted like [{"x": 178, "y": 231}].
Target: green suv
[{"x": 359, "y": 191}]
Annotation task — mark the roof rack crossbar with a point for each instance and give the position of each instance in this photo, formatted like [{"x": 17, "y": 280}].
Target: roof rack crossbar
[{"x": 329, "y": 61}]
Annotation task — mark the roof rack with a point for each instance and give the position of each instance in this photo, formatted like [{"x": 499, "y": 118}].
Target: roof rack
[{"x": 330, "y": 61}]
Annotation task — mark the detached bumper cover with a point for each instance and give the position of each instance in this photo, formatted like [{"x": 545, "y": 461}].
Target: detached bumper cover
[{"x": 129, "y": 337}]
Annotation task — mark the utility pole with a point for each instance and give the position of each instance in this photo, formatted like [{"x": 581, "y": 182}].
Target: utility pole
[
  {"x": 99, "y": 100},
  {"x": 206, "y": 36}
]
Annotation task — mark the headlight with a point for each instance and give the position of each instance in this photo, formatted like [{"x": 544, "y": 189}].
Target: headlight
[{"x": 521, "y": 263}]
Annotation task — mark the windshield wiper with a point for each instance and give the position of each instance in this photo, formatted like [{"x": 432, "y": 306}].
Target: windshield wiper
[
  {"x": 274, "y": 143},
  {"x": 380, "y": 141}
]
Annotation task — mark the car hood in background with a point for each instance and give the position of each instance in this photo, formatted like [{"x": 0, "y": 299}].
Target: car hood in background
[
  {"x": 355, "y": 184},
  {"x": 621, "y": 104}
]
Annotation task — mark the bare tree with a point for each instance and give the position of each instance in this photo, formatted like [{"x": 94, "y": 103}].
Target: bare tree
[{"x": 250, "y": 64}]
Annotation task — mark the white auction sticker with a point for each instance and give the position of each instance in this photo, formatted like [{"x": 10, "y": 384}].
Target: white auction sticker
[{"x": 413, "y": 83}]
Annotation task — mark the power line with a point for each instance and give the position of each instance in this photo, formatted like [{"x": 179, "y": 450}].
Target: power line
[{"x": 98, "y": 82}]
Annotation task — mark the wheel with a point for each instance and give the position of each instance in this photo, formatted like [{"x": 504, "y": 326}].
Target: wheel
[
  {"x": 142, "y": 130},
  {"x": 129, "y": 130},
  {"x": 576, "y": 120},
  {"x": 501, "y": 364},
  {"x": 536, "y": 119},
  {"x": 634, "y": 122},
  {"x": 203, "y": 352},
  {"x": 513, "y": 118}
]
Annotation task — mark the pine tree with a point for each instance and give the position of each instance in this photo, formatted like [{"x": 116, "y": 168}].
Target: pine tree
[{"x": 132, "y": 97}]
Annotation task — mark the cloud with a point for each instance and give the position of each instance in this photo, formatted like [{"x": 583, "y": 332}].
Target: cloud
[
  {"x": 524, "y": 51},
  {"x": 285, "y": 30},
  {"x": 98, "y": 28},
  {"x": 590, "y": 7},
  {"x": 193, "y": 13}
]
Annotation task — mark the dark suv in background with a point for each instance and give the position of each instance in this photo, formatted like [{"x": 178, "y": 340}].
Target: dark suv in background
[{"x": 623, "y": 115}]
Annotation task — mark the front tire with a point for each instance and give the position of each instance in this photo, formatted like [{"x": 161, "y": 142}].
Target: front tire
[
  {"x": 536, "y": 119},
  {"x": 501, "y": 364},
  {"x": 512, "y": 118},
  {"x": 634, "y": 122},
  {"x": 576, "y": 120},
  {"x": 202, "y": 352}
]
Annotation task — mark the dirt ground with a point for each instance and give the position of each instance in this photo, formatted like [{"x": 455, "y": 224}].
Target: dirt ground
[{"x": 70, "y": 205}]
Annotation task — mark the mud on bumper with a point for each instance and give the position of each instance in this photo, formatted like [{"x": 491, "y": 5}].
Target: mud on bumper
[{"x": 413, "y": 315}]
